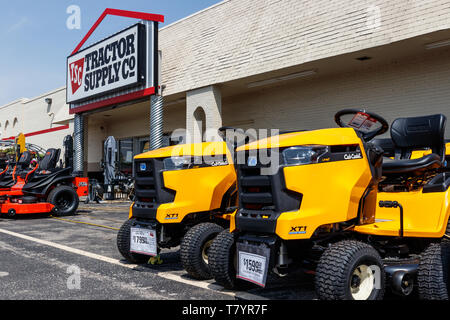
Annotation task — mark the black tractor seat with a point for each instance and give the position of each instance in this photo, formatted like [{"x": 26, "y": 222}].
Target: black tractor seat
[
  {"x": 428, "y": 162},
  {"x": 418, "y": 133},
  {"x": 7, "y": 183},
  {"x": 23, "y": 163},
  {"x": 49, "y": 162},
  {"x": 43, "y": 181},
  {"x": 46, "y": 166}
]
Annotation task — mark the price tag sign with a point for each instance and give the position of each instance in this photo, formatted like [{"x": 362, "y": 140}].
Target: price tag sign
[
  {"x": 253, "y": 263},
  {"x": 368, "y": 124},
  {"x": 143, "y": 241},
  {"x": 358, "y": 120}
]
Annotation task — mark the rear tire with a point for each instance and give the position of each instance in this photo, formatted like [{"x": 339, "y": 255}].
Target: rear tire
[
  {"x": 195, "y": 247},
  {"x": 65, "y": 199},
  {"x": 346, "y": 272},
  {"x": 433, "y": 272},
  {"x": 123, "y": 244}
]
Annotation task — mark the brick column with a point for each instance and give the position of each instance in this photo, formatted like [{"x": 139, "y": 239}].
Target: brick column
[{"x": 209, "y": 101}]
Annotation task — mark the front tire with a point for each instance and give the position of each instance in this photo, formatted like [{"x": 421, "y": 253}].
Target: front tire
[
  {"x": 65, "y": 199},
  {"x": 447, "y": 232},
  {"x": 222, "y": 261},
  {"x": 123, "y": 244},
  {"x": 194, "y": 250},
  {"x": 433, "y": 272},
  {"x": 11, "y": 213},
  {"x": 348, "y": 270}
]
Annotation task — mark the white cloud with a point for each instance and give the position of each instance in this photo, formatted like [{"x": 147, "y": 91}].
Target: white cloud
[{"x": 18, "y": 25}]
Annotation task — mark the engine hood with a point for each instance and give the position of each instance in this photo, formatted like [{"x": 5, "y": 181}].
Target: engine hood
[
  {"x": 193, "y": 149},
  {"x": 336, "y": 136}
]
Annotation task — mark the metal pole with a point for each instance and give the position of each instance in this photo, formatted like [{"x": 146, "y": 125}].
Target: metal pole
[
  {"x": 157, "y": 107},
  {"x": 78, "y": 157},
  {"x": 156, "y": 121}
]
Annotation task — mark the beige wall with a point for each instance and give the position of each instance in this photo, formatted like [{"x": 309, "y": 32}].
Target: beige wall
[
  {"x": 127, "y": 122},
  {"x": 417, "y": 86},
  {"x": 36, "y": 115},
  {"x": 239, "y": 38}
]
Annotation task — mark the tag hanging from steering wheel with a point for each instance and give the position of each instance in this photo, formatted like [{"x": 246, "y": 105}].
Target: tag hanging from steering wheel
[{"x": 362, "y": 121}]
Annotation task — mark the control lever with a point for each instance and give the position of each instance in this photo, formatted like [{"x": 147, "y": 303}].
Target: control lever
[{"x": 394, "y": 204}]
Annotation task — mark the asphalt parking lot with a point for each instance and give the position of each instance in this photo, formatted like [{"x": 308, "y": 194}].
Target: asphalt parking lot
[{"x": 76, "y": 258}]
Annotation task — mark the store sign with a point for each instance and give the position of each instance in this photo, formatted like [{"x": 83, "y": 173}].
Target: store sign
[{"x": 112, "y": 64}]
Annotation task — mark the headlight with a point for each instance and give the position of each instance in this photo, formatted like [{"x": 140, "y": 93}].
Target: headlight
[
  {"x": 180, "y": 163},
  {"x": 296, "y": 156},
  {"x": 177, "y": 163}
]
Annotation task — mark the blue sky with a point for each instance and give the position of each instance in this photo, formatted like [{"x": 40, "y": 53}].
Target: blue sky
[{"x": 34, "y": 39}]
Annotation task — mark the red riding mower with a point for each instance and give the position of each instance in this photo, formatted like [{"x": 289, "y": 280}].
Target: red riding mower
[{"x": 42, "y": 189}]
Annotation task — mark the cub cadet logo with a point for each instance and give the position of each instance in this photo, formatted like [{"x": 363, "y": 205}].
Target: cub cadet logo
[
  {"x": 218, "y": 163},
  {"x": 298, "y": 230},
  {"x": 172, "y": 216},
  {"x": 351, "y": 156}
]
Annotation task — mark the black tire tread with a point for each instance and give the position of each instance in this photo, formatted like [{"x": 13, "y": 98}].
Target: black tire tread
[
  {"x": 432, "y": 274},
  {"x": 123, "y": 244},
  {"x": 220, "y": 260},
  {"x": 191, "y": 249},
  {"x": 330, "y": 280},
  {"x": 51, "y": 196}
]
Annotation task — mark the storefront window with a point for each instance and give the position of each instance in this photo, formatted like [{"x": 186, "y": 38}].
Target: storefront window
[
  {"x": 128, "y": 148},
  {"x": 126, "y": 155},
  {"x": 144, "y": 146}
]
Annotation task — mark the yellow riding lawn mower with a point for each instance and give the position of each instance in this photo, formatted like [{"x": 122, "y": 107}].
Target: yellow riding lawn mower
[
  {"x": 182, "y": 197},
  {"x": 333, "y": 203}
]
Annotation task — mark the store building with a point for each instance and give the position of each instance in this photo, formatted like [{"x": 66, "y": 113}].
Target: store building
[
  {"x": 288, "y": 65},
  {"x": 44, "y": 120}
]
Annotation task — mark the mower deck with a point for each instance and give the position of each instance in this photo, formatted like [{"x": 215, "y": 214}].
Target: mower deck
[{"x": 26, "y": 208}]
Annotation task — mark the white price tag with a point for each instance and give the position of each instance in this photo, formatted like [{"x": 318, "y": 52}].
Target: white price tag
[
  {"x": 252, "y": 267},
  {"x": 358, "y": 120},
  {"x": 143, "y": 241},
  {"x": 368, "y": 124}
]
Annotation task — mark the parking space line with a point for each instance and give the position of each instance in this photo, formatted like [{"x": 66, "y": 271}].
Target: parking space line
[
  {"x": 86, "y": 223},
  {"x": 165, "y": 275},
  {"x": 68, "y": 249},
  {"x": 101, "y": 217}
]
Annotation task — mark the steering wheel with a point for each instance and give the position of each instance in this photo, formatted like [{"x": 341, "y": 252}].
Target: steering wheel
[
  {"x": 361, "y": 122},
  {"x": 245, "y": 135}
]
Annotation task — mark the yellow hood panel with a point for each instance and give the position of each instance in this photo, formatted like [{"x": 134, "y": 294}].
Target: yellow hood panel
[
  {"x": 336, "y": 136},
  {"x": 193, "y": 149}
]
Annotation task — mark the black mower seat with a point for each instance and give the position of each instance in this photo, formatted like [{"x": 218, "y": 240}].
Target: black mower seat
[
  {"x": 428, "y": 162},
  {"x": 7, "y": 183},
  {"x": 409, "y": 134},
  {"x": 24, "y": 160},
  {"x": 50, "y": 160}
]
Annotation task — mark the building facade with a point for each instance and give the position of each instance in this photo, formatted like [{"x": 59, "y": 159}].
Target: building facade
[
  {"x": 44, "y": 120},
  {"x": 283, "y": 64}
]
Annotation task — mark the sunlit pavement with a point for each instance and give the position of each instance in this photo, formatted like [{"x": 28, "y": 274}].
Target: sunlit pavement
[{"x": 76, "y": 258}]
